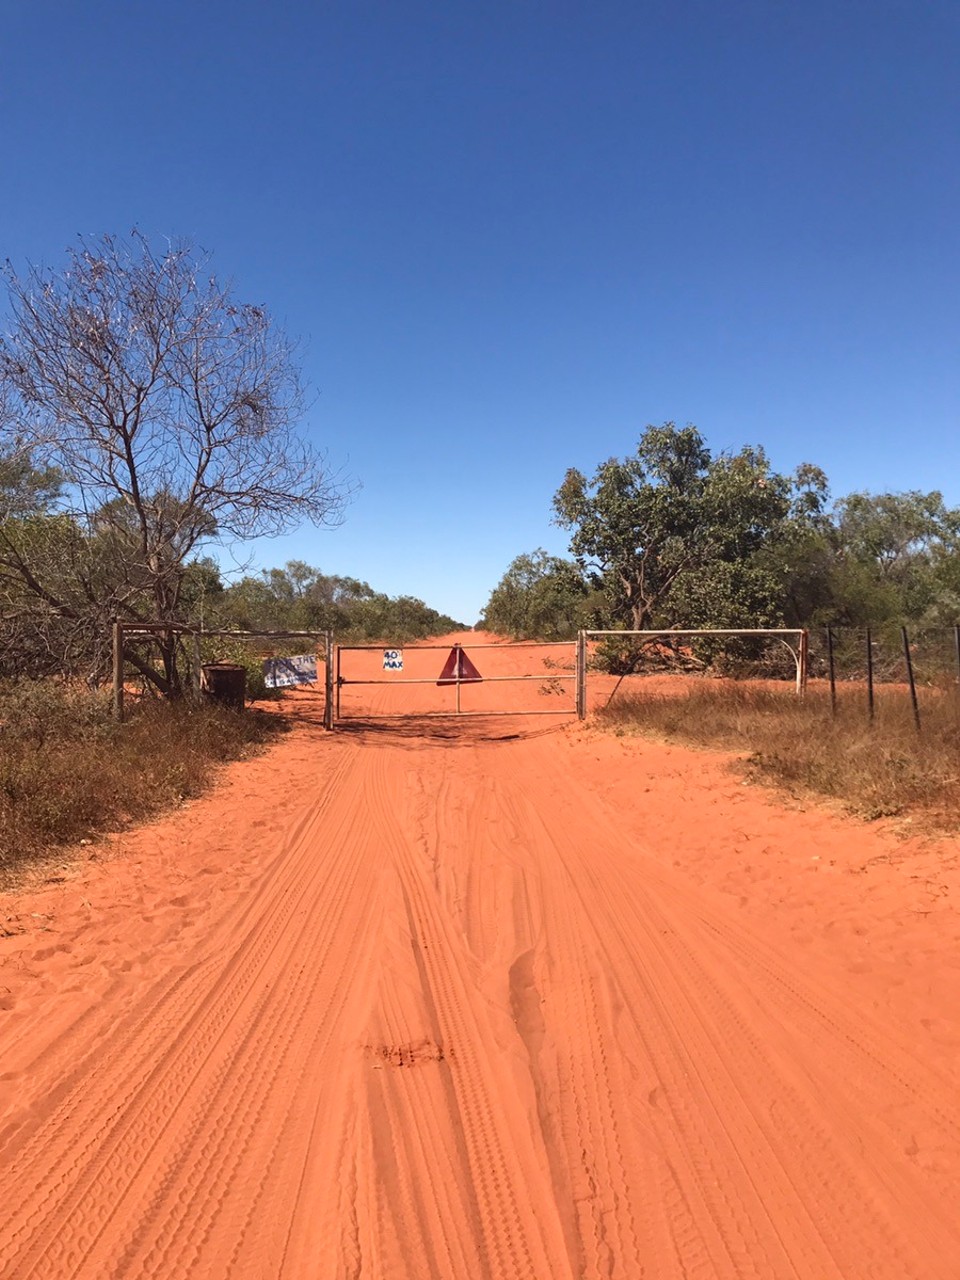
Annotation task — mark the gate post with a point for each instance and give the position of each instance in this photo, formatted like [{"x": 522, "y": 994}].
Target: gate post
[
  {"x": 328, "y": 681},
  {"x": 581, "y": 675},
  {"x": 197, "y": 658},
  {"x": 118, "y": 672},
  {"x": 339, "y": 683},
  {"x": 804, "y": 661}
]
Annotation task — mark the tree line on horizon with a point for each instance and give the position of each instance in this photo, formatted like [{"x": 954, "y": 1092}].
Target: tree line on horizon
[
  {"x": 301, "y": 598},
  {"x": 675, "y": 536}
]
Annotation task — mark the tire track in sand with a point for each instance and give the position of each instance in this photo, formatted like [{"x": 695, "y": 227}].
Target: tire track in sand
[
  {"x": 197, "y": 1075},
  {"x": 459, "y": 1112},
  {"x": 608, "y": 1191},
  {"x": 773, "y": 1150}
]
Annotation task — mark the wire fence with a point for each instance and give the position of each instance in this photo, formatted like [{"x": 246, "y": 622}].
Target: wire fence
[
  {"x": 856, "y": 670},
  {"x": 886, "y": 654},
  {"x": 862, "y": 666}
]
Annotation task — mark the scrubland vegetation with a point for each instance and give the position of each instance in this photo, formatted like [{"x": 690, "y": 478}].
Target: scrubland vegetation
[
  {"x": 676, "y": 537},
  {"x": 123, "y": 460},
  {"x": 68, "y": 772}
]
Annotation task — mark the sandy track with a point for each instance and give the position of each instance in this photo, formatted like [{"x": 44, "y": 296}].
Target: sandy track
[{"x": 444, "y": 1012}]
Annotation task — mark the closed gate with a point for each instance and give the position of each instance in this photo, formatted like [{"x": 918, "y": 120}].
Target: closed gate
[{"x": 376, "y": 682}]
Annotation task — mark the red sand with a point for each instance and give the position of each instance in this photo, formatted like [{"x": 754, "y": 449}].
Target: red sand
[{"x": 493, "y": 998}]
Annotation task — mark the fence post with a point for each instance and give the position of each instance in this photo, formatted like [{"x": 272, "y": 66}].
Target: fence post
[
  {"x": 339, "y": 682},
  {"x": 913, "y": 684},
  {"x": 870, "y": 673},
  {"x": 956, "y": 646},
  {"x": 197, "y": 659},
  {"x": 582, "y": 675},
  {"x": 118, "y": 672},
  {"x": 804, "y": 661},
  {"x": 328, "y": 681},
  {"x": 833, "y": 673}
]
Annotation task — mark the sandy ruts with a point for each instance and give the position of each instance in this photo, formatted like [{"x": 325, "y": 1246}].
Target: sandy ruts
[{"x": 457, "y": 1026}]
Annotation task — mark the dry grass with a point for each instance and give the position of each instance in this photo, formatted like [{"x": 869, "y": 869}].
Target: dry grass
[
  {"x": 69, "y": 773},
  {"x": 876, "y": 770}
]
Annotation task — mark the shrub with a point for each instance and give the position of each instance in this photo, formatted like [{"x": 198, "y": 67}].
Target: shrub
[{"x": 69, "y": 772}]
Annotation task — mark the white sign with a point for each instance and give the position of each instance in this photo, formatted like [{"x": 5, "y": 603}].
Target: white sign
[
  {"x": 281, "y": 673},
  {"x": 393, "y": 659}
]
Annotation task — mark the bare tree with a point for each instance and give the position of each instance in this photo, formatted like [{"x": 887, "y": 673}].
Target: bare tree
[{"x": 170, "y": 410}]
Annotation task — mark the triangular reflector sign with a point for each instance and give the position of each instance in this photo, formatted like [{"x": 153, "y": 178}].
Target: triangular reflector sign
[{"x": 458, "y": 669}]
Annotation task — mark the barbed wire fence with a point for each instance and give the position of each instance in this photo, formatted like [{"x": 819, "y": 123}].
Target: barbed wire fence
[{"x": 854, "y": 670}]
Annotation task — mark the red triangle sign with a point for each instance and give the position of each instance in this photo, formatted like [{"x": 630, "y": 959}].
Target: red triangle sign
[{"x": 458, "y": 669}]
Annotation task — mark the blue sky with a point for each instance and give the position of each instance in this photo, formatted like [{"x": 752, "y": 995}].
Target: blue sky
[{"x": 510, "y": 235}]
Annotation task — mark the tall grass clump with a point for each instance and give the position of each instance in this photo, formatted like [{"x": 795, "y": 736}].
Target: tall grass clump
[
  {"x": 68, "y": 771},
  {"x": 878, "y": 768}
]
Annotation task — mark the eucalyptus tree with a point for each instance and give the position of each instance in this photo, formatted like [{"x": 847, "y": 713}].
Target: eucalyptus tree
[{"x": 677, "y": 537}]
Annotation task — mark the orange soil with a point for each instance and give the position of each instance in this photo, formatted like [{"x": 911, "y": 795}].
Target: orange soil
[{"x": 485, "y": 998}]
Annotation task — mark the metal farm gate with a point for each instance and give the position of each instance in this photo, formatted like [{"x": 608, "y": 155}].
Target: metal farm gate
[{"x": 402, "y": 678}]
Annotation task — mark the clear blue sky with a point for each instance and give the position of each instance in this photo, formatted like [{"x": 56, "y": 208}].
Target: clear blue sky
[{"x": 511, "y": 234}]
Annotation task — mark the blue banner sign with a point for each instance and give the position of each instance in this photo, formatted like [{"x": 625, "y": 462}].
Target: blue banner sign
[{"x": 281, "y": 673}]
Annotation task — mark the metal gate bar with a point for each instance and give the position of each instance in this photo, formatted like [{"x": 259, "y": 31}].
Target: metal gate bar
[
  {"x": 448, "y": 715},
  {"x": 451, "y": 680},
  {"x": 457, "y": 681},
  {"x": 427, "y": 648}
]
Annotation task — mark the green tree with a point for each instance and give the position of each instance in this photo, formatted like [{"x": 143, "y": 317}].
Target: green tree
[
  {"x": 296, "y": 598},
  {"x": 539, "y": 597},
  {"x": 40, "y": 629},
  {"x": 26, "y": 490},
  {"x": 675, "y": 537},
  {"x": 896, "y": 559}
]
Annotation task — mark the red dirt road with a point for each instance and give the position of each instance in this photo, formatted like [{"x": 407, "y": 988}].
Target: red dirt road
[{"x": 497, "y": 999}]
